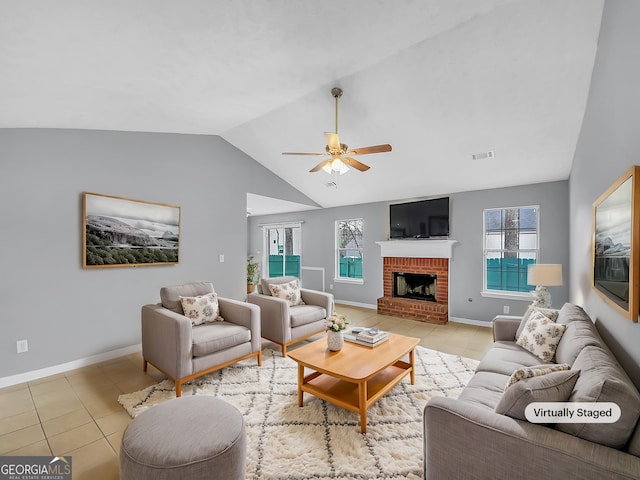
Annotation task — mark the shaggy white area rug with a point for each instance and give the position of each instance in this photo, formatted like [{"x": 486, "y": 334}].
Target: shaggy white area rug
[{"x": 320, "y": 440}]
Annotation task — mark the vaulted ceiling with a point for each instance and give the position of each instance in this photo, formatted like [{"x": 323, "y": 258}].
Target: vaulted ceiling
[{"x": 440, "y": 80}]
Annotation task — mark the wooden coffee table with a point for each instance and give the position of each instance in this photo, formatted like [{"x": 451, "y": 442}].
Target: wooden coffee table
[{"x": 357, "y": 376}]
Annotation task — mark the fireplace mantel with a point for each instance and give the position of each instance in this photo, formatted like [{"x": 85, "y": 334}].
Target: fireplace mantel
[{"x": 417, "y": 248}]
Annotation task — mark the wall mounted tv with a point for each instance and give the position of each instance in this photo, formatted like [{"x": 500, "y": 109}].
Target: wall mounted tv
[{"x": 422, "y": 219}]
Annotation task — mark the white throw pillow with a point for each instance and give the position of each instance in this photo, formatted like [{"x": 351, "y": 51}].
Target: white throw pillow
[
  {"x": 535, "y": 371},
  {"x": 287, "y": 291},
  {"x": 201, "y": 309},
  {"x": 541, "y": 336},
  {"x": 550, "y": 313}
]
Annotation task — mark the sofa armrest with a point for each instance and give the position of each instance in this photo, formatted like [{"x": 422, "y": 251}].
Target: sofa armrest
[
  {"x": 505, "y": 328},
  {"x": 320, "y": 299},
  {"x": 166, "y": 340},
  {"x": 275, "y": 316},
  {"x": 244, "y": 314},
  {"x": 464, "y": 441}
]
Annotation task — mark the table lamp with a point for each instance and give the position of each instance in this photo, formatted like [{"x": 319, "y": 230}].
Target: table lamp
[{"x": 542, "y": 276}]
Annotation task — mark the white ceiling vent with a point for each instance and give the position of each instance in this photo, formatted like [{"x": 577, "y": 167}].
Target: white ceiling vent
[{"x": 483, "y": 155}]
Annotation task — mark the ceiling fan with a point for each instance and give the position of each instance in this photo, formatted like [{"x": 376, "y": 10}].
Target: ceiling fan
[{"x": 340, "y": 161}]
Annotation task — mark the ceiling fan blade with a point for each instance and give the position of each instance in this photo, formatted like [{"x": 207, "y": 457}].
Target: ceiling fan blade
[
  {"x": 374, "y": 149},
  {"x": 352, "y": 162},
  {"x": 302, "y": 153},
  {"x": 333, "y": 142},
  {"x": 320, "y": 165}
]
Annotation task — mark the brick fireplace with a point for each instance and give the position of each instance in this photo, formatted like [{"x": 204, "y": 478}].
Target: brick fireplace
[{"x": 411, "y": 258}]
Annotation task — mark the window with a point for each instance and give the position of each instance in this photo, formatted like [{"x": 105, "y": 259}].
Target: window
[
  {"x": 282, "y": 246},
  {"x": 511, "y": 243},
  {"x": 349, "y": 247}
]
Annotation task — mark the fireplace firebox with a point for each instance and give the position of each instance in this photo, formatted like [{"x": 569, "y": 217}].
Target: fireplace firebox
[{"x": 417, "y": 286}]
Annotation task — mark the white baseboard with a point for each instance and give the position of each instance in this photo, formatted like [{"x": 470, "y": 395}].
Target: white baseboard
[
  {"x": 357, "y": 304},
  {"x": 468, "y": 321},
  {"x": 65, "y": 367}
]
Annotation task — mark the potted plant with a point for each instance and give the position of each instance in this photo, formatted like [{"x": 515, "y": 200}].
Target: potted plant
[
  {"x": 336, "y": 323},
  {"x": 252, "y": 271}
]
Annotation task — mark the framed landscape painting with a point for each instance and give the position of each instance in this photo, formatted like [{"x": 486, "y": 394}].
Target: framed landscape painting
[
  {"x": 616, "y": 220},
  {"x": 120, "y": 232}
]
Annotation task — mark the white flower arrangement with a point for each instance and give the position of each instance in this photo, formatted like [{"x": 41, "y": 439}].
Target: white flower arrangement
[{"x": 337, "y": 322}]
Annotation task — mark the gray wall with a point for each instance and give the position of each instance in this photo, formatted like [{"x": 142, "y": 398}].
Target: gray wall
[
  {"x": 609, "y": 144},
  {"x": 465, "y": 227},
  {"x": 68, "y": 313},
  {"x": 466, "y": 267}
]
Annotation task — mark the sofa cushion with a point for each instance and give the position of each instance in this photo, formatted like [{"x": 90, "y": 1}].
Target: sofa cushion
[
  {"x": 484, "y": 389},
  {"x": 535, "y": 371},
  {"x": 289, "y": 291},
  {"x": 505, "y": 357},
  {"x": 304, "y": 314},
  {"x": 552, "y": 387},
  {"x": 634, "y": 443},
  {"x": 603, "y": 380},
  {"x": 550, "y": 313},
  {"x": 570, "y": 313},
  {"x": 541, "y": 336},
  {"x": 170, "y": 296},
  {"x": 201, "y": 309},
  {"x": 213, "y": 337},
  {"x": 580, "y": 333}
]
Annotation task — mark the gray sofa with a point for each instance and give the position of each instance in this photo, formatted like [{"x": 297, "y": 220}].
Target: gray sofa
[{"x": 465, "y": 438}]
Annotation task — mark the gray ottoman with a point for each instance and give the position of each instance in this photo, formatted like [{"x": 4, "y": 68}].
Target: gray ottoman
[{"x": 185, "y": 438}]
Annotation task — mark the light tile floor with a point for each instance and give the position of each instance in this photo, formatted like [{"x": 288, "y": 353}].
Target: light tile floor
[{"x": 77, "y": 413}]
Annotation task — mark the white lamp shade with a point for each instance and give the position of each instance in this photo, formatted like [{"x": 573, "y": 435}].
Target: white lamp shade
[{"x": 548, "y": 275}]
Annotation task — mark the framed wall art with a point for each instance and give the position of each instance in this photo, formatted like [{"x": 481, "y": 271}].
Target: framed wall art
[
  {"x": 120, "y": 232},
  {"x": 616, "y": 219}
]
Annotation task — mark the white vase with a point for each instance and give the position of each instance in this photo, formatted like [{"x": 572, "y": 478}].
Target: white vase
[{"x": 335, "y": 340}]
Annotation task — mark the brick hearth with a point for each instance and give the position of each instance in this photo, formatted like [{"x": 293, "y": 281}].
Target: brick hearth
[{"x": 424, "y": 311}]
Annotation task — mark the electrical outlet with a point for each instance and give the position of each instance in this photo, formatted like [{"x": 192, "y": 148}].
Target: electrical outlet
[
  {"x": 22, "y": 346},
  {"x": 331, "y": 286},
  {"x": 506, "y": 309},
  {"x": 221, "y": 258}
]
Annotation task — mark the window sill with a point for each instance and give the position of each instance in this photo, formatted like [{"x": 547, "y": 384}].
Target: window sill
[
  {"x": 352, "y": 281},
  {"x": 522, "y": 296}
]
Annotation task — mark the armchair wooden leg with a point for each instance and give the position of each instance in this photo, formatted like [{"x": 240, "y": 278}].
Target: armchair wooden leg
[
  {"x": 284, "y": 351},
  {"x": 178, "y": 389},
  {"x": 260, "y": 358}
]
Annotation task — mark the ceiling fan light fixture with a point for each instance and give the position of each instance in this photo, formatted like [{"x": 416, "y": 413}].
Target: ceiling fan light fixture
[{"x": 336, "y": 165}]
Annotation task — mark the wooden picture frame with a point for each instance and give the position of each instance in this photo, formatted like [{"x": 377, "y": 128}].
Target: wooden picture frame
[
  {"x": 121, "y": 232},
  {"x": 616, "y": 219}
]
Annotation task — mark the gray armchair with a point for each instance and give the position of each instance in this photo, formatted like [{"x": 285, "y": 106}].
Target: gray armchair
[
  {"x": 182, "y": 351},
  {"x": 284, "y": 324}
]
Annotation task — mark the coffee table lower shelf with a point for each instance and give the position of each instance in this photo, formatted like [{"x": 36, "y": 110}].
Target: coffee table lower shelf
[{"x": 356, "y": 396}]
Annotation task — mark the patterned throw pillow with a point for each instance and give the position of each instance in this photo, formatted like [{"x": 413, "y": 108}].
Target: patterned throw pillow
[
  {"x": 541, "y": 336},
  {"x": 535, "y": 371},
  {"x": 287, "y": 291},
  {"x": 201, "y": 309},
  {"x": 550, "y": 313}
]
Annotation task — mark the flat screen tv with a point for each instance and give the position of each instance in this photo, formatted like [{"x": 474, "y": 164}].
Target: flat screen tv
[{"x": 422, "y": 219}]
